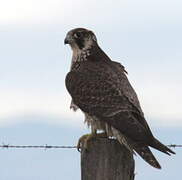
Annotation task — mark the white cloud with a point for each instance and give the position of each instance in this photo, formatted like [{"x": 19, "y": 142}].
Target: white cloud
[
  {"x": 17, "y": 103},
  {"x": 34, "y": 11},
  {"x": 161, "y": 105},
  {"x": 88, "y": 12}
]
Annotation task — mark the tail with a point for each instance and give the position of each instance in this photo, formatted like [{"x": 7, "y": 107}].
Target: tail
[
  {"x": 147, "y": 155},
  {"x": 161, "y": 147}
]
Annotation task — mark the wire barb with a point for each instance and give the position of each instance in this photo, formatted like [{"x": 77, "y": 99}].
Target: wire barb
[{"x": 174, "y": 145}]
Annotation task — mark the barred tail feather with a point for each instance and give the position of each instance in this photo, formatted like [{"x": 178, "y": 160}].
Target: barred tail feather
[{"x": 147, "y": 155}]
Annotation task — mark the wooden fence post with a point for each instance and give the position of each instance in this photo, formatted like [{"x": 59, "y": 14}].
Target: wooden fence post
[{"x": 106, "y": 159}]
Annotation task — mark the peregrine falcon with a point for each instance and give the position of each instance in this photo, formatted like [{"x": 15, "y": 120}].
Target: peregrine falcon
[{"x": 100, "y": 88}]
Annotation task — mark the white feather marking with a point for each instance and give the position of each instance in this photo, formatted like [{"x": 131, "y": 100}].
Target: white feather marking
[
  {"x": 96, "y": 124},
  {"x": 73, "y": 106}
]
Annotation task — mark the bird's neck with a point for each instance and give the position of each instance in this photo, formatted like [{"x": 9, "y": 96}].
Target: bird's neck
[
  {"x": 92, "y": 53},
  {"x": 81, "y": 55}
]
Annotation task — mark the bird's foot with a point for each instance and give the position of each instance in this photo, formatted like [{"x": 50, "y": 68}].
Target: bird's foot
[{"x": 83, "y": 141}]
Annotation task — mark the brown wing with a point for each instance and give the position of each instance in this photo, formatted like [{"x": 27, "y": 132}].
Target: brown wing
[
  {"x": 128, "y": 90},
  {"x": 126, "y": 87},
  {"x": 97, "y": 90}
]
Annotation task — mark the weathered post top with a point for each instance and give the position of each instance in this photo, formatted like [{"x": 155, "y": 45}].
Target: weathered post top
[{"x": 106, "y": 159}]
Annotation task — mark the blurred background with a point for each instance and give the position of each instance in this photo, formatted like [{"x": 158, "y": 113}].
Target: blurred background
[{"x": 145, "y": 36}]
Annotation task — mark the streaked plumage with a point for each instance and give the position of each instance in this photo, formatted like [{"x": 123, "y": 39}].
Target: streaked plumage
[{"x": 100, "y": 88}]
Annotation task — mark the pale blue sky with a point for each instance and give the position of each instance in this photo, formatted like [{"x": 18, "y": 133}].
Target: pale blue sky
[{"x": 145, "y": 36}]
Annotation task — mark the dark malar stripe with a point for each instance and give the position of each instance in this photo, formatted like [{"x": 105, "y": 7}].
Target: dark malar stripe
[{"x": 80, "y": 43}]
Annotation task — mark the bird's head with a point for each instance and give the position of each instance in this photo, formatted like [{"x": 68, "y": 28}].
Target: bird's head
[{"x": 80, "y": 39}]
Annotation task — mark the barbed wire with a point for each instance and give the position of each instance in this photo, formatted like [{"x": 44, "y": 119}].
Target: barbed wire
[
  {"x": 37, "y": 146},
  {"x": 174, "y": 145},
  {"x": 7, "y": 146}
]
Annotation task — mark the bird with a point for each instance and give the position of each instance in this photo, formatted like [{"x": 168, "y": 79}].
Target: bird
[{"x": 100, "y": 88}]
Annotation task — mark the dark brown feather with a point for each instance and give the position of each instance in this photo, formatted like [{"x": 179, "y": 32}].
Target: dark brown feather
[{"x": 100, "y": 87}]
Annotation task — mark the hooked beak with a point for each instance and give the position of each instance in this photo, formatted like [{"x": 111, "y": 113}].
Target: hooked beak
[{"x": 68, "y": 39}]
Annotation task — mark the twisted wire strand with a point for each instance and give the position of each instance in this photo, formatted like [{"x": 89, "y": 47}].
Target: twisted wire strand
[
  {"x": 58, "y": 146},
  {"x": 37, "y": 146}
]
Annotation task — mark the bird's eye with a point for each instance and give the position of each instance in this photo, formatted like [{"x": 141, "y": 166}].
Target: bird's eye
[{"x": 77, "y": 34}]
